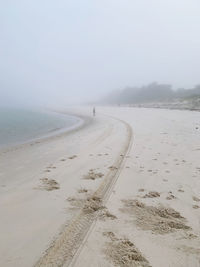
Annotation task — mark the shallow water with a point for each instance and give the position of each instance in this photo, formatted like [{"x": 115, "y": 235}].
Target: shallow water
[{"x": 22, "y": 125}]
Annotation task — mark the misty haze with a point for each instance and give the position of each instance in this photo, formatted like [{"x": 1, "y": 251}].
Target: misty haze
[{"x": 100, "y": 133}]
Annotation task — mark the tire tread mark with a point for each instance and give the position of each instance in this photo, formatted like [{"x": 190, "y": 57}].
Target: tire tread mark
[{"x": 65, "y": 246}]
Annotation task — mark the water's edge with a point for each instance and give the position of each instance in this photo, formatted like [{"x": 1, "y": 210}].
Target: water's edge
[{"x": 81, "y": 121}]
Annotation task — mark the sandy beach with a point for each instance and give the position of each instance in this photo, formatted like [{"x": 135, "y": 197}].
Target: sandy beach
[{"x": 121, "y": 190}]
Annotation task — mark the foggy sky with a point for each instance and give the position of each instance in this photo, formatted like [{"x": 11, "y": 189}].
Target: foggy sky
[{"x": 73, "y": 50}]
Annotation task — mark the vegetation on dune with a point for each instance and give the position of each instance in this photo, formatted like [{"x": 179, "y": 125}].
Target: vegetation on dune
[{"x": 153, "y": 93}]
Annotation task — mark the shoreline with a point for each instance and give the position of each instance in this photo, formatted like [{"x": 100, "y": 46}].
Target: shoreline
[
  {"x": 29, "y": 210},
  {"x": 82, "y": 121}
]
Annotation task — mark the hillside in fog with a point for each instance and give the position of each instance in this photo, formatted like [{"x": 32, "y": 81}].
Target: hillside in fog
[{"x": 154, "y": 93}]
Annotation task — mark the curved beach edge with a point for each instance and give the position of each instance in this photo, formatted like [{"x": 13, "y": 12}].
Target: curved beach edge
[{"x": 82, "y": 121}]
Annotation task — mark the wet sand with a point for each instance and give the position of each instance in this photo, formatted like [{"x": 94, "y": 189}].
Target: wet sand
[{"x": 122, "y": 191}]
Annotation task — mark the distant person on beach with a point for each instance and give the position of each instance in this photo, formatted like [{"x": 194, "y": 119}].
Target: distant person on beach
[{"x": 94, "y": 111}]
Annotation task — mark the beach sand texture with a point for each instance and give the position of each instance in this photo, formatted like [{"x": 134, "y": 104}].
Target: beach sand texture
[{"x": 123, "y": 190}]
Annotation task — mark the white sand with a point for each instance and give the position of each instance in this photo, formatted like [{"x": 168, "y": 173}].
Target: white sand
[{"x": 164, "y": 157}]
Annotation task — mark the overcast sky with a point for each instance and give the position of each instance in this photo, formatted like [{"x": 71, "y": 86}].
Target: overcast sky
[{"x": 73, "y": 50}]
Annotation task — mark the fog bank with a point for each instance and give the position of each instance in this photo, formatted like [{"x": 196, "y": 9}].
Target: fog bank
[{"x": 61, "y": 52}]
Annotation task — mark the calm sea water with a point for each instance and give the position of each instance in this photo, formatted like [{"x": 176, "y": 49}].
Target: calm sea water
[{"x": 20, "y": 125}]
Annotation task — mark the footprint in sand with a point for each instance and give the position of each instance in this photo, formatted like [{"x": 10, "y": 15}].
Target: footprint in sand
[
  {"x": 51, "y": 167},
  {"x": 181, "y": 190},
  {"x": 112, "y": 168},
  {"x": 105, "y": 214},
  {"x": 141, "y": 190},
  {"x": 170, "y": 196},
  {"x": 90, "y": 205},
  {"x": 72, "y": 157},
  {"x": 76, "y": 203},
  {"x": 93, "y": 175},
  {"x": 48, "y": 184},
  {"x": 195, "y": 207},
  {"x": 196, "y": 199},
  {"x": 82, "y": 190},
  {"x": 152, "y": 194}
]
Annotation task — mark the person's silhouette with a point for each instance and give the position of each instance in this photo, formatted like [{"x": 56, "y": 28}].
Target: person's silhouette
[{"x": 94, "y": 111}]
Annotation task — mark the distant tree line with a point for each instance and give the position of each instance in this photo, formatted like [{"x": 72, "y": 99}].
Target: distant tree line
[{"x": 153, "y": 92}]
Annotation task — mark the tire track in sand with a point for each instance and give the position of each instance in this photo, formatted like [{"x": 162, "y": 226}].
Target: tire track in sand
[{"x": 65, "y": 246}]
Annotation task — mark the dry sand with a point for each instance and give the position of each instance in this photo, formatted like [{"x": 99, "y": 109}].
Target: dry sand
[{"x": 121, "y": 191}]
